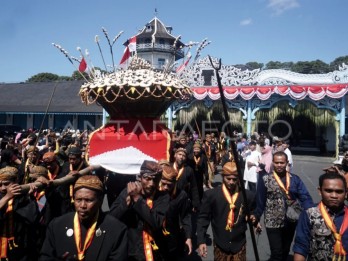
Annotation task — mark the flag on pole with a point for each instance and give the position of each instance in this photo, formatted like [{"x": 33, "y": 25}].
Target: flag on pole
[
  {"x": 125, "y": 58},
  {"x": 182, "y": 67},
  {"x": 83, "y": 65},
  {"x": 132, "y": 44}
]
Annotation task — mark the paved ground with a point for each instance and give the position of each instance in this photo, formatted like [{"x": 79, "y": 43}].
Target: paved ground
[{"x": 309, "y": 168}]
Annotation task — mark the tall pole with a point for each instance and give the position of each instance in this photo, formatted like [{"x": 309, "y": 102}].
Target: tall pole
[{"x": 235, "y": 156}]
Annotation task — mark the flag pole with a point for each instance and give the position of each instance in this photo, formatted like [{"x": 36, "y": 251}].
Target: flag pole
[
  {"x": 100, "y": 51},
  {"x": 235, "y": 156},
  {"x": 63, "y": 51}
]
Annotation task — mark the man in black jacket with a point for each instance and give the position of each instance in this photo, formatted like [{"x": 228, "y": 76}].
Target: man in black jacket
[
  {"x": 186, "y": 179},
  {"x": 177, "y": 227},
  {"x": 86, "y": 234},
  {"x": 18, "y": 219},
  {"x": 224, "y": 208},
  {"x": 142, "y": 207}
]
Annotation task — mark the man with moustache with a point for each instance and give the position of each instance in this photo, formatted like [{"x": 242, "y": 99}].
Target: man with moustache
[
  {"x": 321, "y": 232},
  {"x": 86, "y": 234},
  {"x": 223, "y": 207},
  {"x": 142, "y": 207},
  {"x": 177, "y": 228},
  {"x": 275, "y": 191},
  {"x": 186, "y": 179}
]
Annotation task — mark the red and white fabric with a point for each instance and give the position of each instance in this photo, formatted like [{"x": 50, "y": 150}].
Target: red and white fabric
[
  {"x": 297, "y": 92},
  {"x": 123, "y": 145}
]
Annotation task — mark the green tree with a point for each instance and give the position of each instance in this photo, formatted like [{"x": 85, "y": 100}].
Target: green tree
[
  {"x": 77, "y": 75},
  {"x": 65, "y": 78},
  {"x": 44, "y": 77},
  {"x": 312, "y": 67},
  {"x": 274, "y": 65},
  {"x": 338, "y": 62},
  {"x": 254, "y": 65}
]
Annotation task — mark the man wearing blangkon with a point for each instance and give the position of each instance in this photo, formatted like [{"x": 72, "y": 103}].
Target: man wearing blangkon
[
  {"x": 224, "y": 208},
  {"x": 86, "y": 234}
]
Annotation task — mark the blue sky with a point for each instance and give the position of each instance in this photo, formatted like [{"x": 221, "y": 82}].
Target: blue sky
[{"x": 240, "y": 30}]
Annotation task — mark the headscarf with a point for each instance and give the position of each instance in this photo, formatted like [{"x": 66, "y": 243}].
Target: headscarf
[
  {"x": 49, "y": 156},
  {"x": 38, "y": 171},
  {"x": 8, "y": 173},
  {"x": 150, "y": 168},
  {"x": 230, "y": 168},
  {"x": 169, "y": 173},
  {"x": 90, "y": 182},
  {"x": 266, "y": 158}
]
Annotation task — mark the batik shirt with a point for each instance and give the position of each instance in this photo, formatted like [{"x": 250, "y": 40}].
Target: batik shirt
[
  {"x": 271, "y": 200},
  {"x": 313, "y": 238}
]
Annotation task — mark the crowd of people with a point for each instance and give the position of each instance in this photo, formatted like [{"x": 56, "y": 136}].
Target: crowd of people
[{"x": 164, "y": 212}]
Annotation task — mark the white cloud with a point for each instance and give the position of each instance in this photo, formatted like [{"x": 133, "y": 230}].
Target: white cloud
[
  {"x": 246, "y": 22},
  {"x": 280, "y": 6}
]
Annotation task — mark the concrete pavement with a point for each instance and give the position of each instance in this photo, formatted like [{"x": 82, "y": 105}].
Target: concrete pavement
[{"x": 308, "y": 168}]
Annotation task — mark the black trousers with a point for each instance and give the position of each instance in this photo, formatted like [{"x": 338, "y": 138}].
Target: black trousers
[{"x": 280, "y": 240}]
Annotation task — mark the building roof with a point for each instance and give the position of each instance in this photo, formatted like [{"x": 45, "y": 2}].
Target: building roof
[
  {"x": 157, "y": 29},
  {"x": 34, "y": 98}
]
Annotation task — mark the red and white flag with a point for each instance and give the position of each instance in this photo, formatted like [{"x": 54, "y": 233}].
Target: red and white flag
[
  {"x": 83, "y": 65},
  {"x": 132, "y": 44},
  {"x": 182, "y": 67},
  {"x": 125, "y": 58}
]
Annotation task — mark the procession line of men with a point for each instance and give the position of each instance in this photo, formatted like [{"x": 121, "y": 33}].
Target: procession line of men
[{"x": 151, "y": 218}]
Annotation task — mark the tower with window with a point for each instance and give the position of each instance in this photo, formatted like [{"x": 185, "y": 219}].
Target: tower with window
[{"x": 157, "y": 45}]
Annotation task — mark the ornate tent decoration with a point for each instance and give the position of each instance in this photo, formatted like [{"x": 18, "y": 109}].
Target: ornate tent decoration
[
  {"x": 257, "y": 94},
  {"x": 139, "y": 91},
  {"x": 200, "y": 110},
  {"x": 135, "y": 95},
  {"x": 303, "y": 108},
  {"x": 297, "y": 92}
]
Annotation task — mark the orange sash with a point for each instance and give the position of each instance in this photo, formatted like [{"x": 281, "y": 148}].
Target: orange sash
[
  {"x": 89, "y": 237},
  {"x": 54, "y": 175},
  {"x": 281, "y": 185},
  {"x": 339, "y": 251},
  {"x": 164, "y": 230},
  {"x": 179, "y": 172},
  {"x": 231, "y": 200},
  {"x": 26, "y": 171},
  {"x": 209, "y": 151},
  {"x": 196, "y": 161},
  {"x": 148, "y": 241},
  {"x": 39, "y": 195},
  {"x": 7, "y": 236}
]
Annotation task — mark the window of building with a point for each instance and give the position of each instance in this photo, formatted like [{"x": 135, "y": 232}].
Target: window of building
[
  {"x": 161, "y": 62},
  {"x": 207, "y": 75},
  {"x": 148, "y": 28},
  {"x": 37, "y": 121},
  {"x": 2, "y": 118}
]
